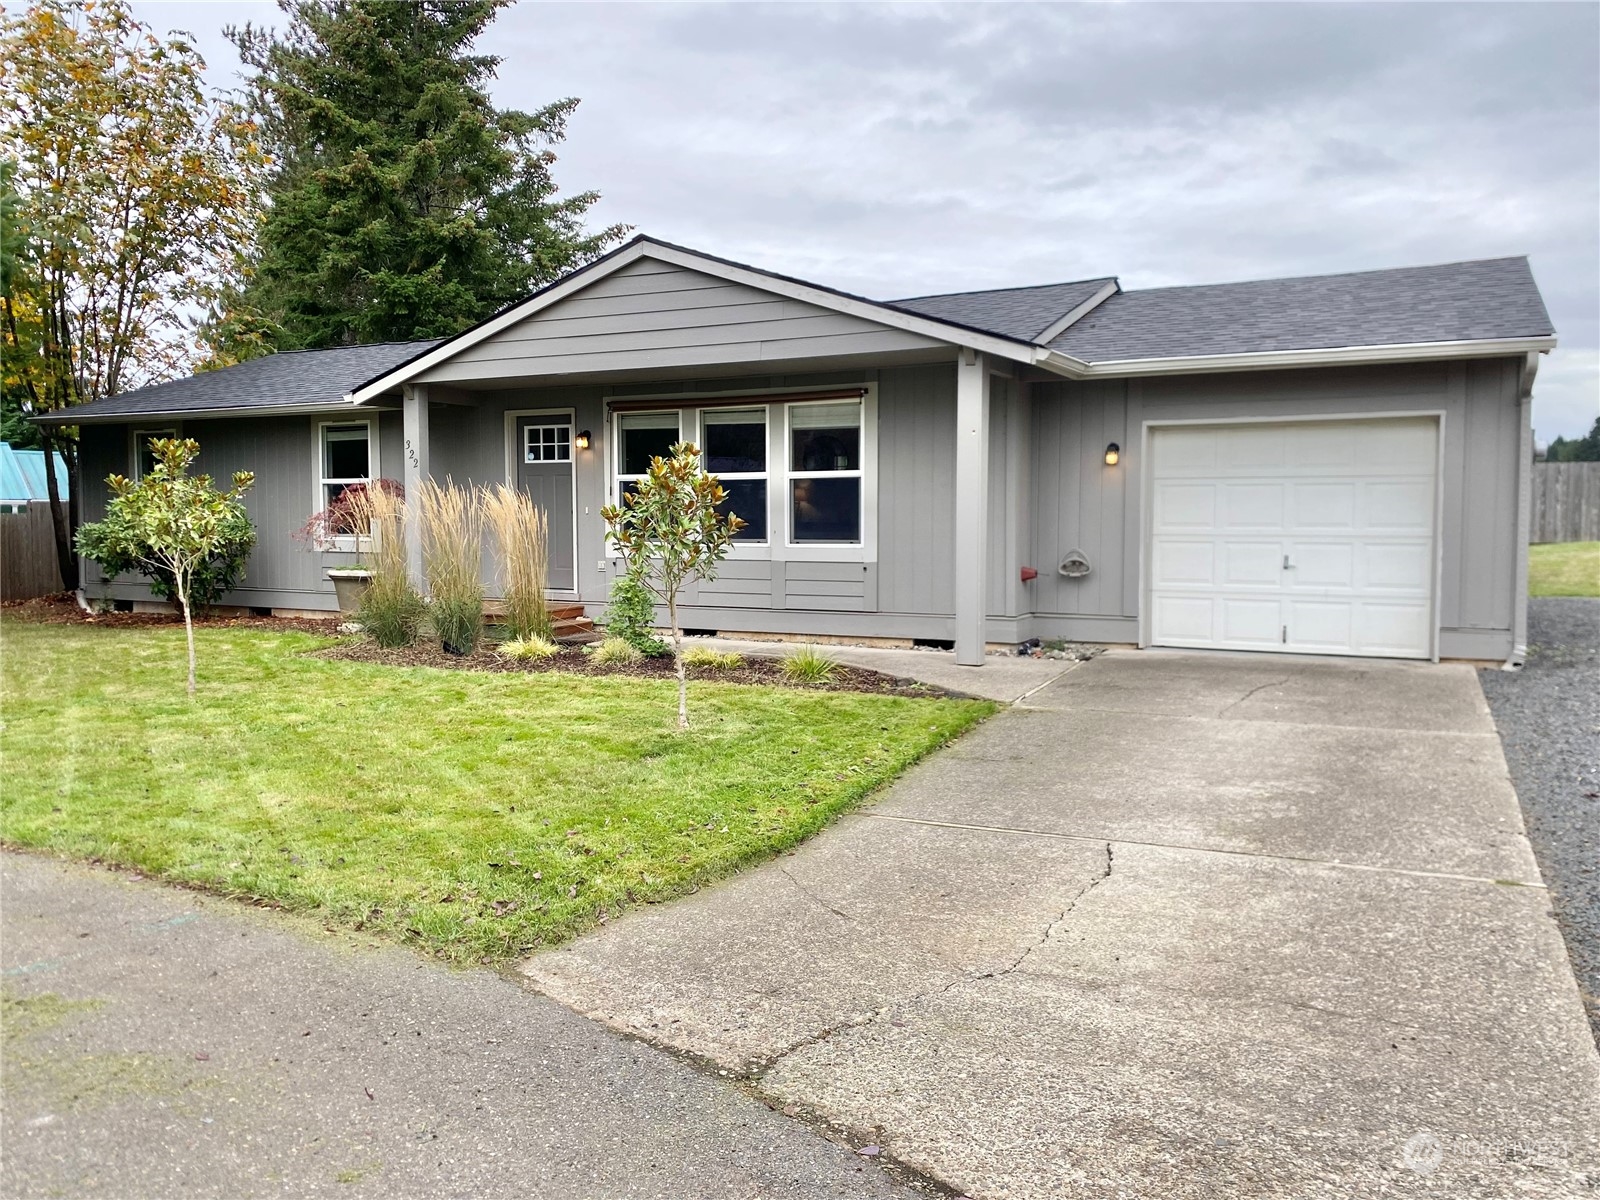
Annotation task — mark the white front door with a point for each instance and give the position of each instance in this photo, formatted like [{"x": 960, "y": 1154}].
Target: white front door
[{"x": 1304, "y": 537}]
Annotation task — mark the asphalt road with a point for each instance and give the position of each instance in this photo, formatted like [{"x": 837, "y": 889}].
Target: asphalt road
[
  {"x": 1548, "y": 715},
  {"x": 160, "y": 1043}
]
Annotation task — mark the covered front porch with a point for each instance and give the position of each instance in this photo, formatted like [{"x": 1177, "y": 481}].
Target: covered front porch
[{"x": 866, "y": 491}]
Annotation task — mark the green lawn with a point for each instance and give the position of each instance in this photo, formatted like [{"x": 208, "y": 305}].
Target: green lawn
[
  {"x": 477, "y": 814},
  {"x": 1564, "y": 569}
]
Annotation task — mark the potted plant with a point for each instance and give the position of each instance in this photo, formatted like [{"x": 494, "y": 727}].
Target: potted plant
[{"x": 345, "y": 527}]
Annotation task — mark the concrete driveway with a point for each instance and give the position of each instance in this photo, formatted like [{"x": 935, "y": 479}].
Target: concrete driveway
[{"x": 1185, "y": 925}]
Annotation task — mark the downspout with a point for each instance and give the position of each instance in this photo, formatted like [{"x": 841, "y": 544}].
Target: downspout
[{"x": 1519, "y": 576}]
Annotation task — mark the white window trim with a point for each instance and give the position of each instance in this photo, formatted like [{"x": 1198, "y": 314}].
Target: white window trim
[
  {"x": 617, "y": 476},
  {"x": 790, "y": 475},
  {"x": 531, "y": 426},
  {"x": 515, "y": 454},
  {"x": 751, "y": 547},
  {"x": 343, "y": 543},
  {"x": 136, "y": 441},
  {"x": 687, "y": 405}
]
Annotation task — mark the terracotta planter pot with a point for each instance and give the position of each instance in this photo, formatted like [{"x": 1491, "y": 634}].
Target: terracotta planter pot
[{"x": 350, "y": 585}]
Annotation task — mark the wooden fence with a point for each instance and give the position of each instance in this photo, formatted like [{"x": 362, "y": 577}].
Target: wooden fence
[
  {"x": 28, "y": 565},
  {"x": 1566, "y": 502}
]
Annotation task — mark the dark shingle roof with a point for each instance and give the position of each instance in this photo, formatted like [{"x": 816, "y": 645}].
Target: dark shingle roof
[
  {"x": 1021, "y": 312},
  {"x": 1469, "y": 301},
  {"x": 290, "y": 379}
]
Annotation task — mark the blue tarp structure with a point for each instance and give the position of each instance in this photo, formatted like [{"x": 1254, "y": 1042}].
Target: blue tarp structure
[{"x": 22, "y": 476}]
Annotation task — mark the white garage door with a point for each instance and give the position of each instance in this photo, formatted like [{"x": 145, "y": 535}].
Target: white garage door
[{"x": 1306, "y": 537}]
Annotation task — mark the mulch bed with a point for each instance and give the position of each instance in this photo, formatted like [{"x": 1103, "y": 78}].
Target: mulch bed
[
  {"x": 62, "y": 609},
  {"x": 572, "y": 660}
]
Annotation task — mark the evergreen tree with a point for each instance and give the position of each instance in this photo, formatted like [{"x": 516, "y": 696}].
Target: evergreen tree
[{"x": 404, "y": 204}]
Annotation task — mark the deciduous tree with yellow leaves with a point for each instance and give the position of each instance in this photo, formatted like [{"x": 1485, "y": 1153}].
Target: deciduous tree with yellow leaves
[{"x": 133, "y": 193}]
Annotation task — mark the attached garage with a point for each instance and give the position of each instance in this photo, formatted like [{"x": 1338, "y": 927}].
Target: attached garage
[{"x": 1307, "y": 537}]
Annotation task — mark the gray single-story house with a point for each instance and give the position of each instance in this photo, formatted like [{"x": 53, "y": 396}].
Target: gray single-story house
[{"x": 1327, "y": 465}]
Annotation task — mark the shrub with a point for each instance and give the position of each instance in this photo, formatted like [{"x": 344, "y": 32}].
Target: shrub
[
  {"x": 350, "y": 515},
  {"x": 391, "y": 610},
  {"x": 715, "y": 660},
  {"x": 631, "y": 616},
  {"x": 174, "y": 525},
  {"x": 521, "y": 534},
  {"x": 615, "y": 651},
  {"x": 452, "y": 559},
  {"x": 116, "y": 547},
  {"x": 809, "y": 665},
  {"x": 526, "y": 649}
]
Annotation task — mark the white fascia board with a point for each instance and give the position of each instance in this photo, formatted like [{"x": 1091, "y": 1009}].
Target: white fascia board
[
  {"x": 449, "y": 349},
  {"x": 1073, "y": 316},
  {"x": 792, "y": 289},
  {"x": 1209, "y": 364},
  {"x": 201, "y": 414}
]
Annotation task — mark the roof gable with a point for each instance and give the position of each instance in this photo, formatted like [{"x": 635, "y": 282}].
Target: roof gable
[
  {"x": 652, "y": 312},
  {"x": 940, "y": 332},
  {"x": 1023, "y": 312}
]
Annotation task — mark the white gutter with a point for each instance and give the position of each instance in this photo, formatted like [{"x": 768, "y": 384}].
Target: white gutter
[
  {"x": 200, "y": 414},
  {"x": 1202, "y": 364}
]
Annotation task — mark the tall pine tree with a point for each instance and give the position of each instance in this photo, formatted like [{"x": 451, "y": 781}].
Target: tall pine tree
[{"x": 404, "y": 204}]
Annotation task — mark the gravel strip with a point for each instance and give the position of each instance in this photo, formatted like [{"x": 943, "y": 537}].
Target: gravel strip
[{"x": 1548, "y": 715}]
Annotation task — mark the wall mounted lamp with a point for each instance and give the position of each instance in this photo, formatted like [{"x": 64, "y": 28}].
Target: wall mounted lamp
[
  {"x": 1113, "y": 454},
  {"x": 582, "y": 440}
]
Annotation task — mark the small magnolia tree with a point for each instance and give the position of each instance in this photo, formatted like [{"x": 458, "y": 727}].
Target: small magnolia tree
[
  {"x": 176, "y": 523},
  {"x": 669, "y": 533}
]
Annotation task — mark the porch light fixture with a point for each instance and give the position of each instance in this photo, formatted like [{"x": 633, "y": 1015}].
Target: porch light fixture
[
  {"x": 582, "y": 440},
  {"x": 1113, "y": 454}
]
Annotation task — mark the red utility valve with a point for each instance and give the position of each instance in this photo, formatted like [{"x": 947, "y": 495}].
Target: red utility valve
[{"x": 1029, "y": 573}]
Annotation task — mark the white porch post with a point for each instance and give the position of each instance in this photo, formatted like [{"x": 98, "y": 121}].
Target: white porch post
[
  {"x": 972, "y": 506},
  {"x": 414, "y": 418}
]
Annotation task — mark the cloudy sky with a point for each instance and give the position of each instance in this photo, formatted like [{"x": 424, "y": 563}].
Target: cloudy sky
[{"x": 898, "y": 150}]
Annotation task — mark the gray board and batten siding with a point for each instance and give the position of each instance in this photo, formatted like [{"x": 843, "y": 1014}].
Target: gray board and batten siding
[
  {"x": 282, "y": 453},
  {"x": 1050, "y": 492},
  {"x": 1079, "y": 503}
]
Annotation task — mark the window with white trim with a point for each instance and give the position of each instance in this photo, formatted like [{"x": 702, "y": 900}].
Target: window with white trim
[
  {"x": 144, "y": 458},
  {"x": 825, "y": 473},
  {"x": 734, "y": 448},
  {"x": 642, "y": 436},
  {"x": 345, "y": 455},
  {"x": 546, "y": 443}
]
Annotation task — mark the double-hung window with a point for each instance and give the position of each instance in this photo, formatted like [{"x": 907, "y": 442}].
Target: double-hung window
[
  {"x": 734, "y": 443},
  {"x": 345, "y": 455},
  {"x": 642, "y": 436},
  {"x": 825, "y": 473},
  {"x": 144, "y": 458}
]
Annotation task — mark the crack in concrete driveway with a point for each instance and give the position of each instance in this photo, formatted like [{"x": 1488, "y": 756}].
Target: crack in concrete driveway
[{"x": 1303, "y": 961}]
